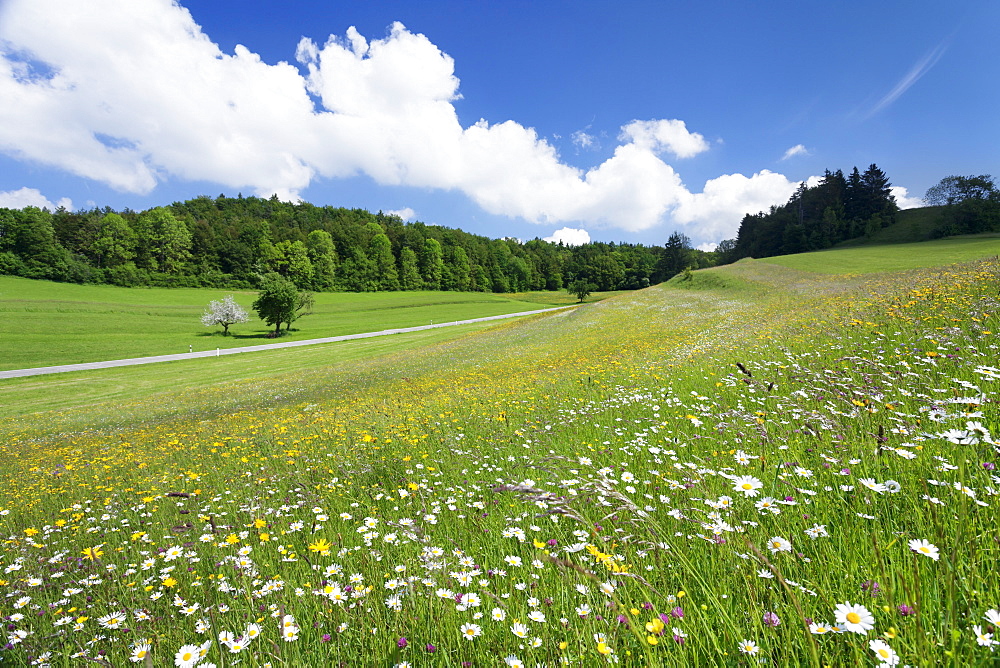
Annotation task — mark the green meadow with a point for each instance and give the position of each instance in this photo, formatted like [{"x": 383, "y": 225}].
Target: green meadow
[
  {"x": 46, "y": 323},
  {"x": 788, "y": 461},
  {"x": 880, "y": 258}
]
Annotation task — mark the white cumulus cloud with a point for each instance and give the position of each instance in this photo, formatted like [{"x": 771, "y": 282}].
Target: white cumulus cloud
[
  {"x": 569, "y": 236},
  {"x": 405, "y": 213},
  {"x": 22, "y": 197},
  {"x": 132, "y": 93},
  {"x": 723, "y": 202},
  {"x": 665, "y": 135},
  {"x": 903, "y": 199}
]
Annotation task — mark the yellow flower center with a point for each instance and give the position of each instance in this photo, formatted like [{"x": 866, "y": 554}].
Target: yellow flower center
[
  {"x": 924, "y": 550},
  {"x": 747, "y": 485},
  {"x": 853, "y": 617},
  {"x": 884, "y": 653}
]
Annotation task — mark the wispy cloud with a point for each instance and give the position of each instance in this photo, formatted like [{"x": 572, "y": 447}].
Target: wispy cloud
[
  {"x": 919, "y": 69},
  {"x": 583, "y": 140},
  {"x": 798, "y": 149}
]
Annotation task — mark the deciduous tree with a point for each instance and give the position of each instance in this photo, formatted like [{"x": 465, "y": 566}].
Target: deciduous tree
[
  {"x": 279, "y": 301},
  {"x": 581, "y": 289},
  {"x": 224, "y": 312}
]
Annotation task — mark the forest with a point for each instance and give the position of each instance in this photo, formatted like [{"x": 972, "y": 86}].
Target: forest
[
  {"x": 230, "y": 242},
  {"x": 838, "y": 208}
]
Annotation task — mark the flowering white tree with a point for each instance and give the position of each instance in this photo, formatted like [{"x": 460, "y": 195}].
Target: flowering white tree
[{"x": 226, "y": 312}]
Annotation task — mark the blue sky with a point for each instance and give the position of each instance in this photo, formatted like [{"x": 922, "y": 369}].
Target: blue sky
[{"x": 615, "y": 121}]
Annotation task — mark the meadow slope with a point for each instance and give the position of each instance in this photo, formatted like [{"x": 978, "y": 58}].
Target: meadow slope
[{"x": 763, "y": 464}]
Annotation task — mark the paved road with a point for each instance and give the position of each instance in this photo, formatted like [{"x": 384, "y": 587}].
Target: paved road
[{"x": 38, "y": 371}]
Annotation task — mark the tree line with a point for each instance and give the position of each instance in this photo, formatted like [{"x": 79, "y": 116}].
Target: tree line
[
  {"x": 836, "y": 209},
  {"x": 232, "y": 242},
  {"x": 840, "y": 208}
]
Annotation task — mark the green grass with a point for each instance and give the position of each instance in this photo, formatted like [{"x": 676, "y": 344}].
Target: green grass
[
  {"x": 45, "y": 323},
  {"x": 911, "y": 226},
  {"x": 574, "y": 472},
  {"x": 169, "y": 382},
  {"x": 898, "y": 257}
]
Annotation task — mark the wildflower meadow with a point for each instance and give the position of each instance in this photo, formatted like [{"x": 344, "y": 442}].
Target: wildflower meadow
[{"x": 759, "y": 466}]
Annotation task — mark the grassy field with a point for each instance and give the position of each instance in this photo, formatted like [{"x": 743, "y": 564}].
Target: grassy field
[
  {"x": 168, "y": 382},
  {"x": 47, "y": 323},
  {"x": 912, "y": 225},
  {"x": 767, "y": 464},
  {"x": 897, "y": 257}
]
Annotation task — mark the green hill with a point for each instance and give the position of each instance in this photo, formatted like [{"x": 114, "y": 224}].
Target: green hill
[{"x": 911, "y": 225}]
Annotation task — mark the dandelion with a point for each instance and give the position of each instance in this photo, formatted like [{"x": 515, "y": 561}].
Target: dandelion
[
  {"x": 93, "y": 552},
  {"x": 655, "y": 626},
  {"x": 322, "y": 546},
  {"x": 885, "y": 654},
  {"x": 854, "y": 618},
  {"x": 921, "y": 546}
]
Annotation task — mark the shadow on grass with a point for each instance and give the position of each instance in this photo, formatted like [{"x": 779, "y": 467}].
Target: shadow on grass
[{"x": 244, "y": 337}]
